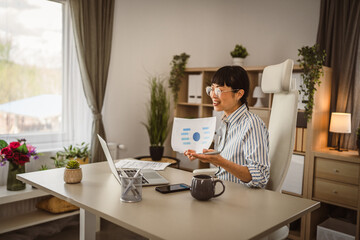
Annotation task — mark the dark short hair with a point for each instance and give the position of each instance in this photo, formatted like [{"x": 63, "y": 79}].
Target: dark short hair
[{"x": 235, "y": 77}]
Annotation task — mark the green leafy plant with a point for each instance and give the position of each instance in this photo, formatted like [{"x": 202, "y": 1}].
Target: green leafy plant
[
  {"x": 178, "y": 65},
  {"x": 72, "y": 164},
  {"x": 158, "y": 112},
  {"x": 78, "y": 152},
  {"x": 311, "y": 61},
  {"x": 43, "y": 167},
  {"x": 239, "y": 52}
]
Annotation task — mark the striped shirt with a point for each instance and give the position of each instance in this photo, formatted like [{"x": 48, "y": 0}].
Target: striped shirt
[{"x": 247, "y": 144}]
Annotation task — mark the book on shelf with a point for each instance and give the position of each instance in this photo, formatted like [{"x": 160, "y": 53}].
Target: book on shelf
[{"x": 300, "y": 139}]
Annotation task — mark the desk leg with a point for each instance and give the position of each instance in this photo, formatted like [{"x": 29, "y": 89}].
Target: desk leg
[{"x": 87, "y": 225}]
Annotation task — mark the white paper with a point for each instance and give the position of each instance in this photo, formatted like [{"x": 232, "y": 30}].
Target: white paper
[
  {"x": 138, "y": 164},
  {"x": 196, "y": 134}
]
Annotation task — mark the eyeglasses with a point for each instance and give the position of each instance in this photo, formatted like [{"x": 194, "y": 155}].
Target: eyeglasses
[{"x": 217, "y": 91}]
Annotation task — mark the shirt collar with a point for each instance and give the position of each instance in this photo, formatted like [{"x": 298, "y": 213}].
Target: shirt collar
[{"x": 233, "y": 117}]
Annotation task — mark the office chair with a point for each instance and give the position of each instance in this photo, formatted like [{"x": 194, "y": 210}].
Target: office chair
[{"x": 277, "y": 80}]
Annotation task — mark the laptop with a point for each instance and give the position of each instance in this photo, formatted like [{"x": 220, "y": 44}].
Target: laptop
[{"x": 150, "y": 177}]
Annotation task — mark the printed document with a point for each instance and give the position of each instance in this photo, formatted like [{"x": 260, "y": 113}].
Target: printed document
[
  {"x": 196, "y": 134},
  {"x": 138, "y": 164}
]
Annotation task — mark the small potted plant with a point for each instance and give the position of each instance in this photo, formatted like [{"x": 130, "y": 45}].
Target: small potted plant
[
  {"x": 158, "y": 116},
  {"x": 358, "y": 139},
  {"x": 81, "y": 153},
  {"x": 239, "y": 54},
  {"x": 73, "y": 173}
]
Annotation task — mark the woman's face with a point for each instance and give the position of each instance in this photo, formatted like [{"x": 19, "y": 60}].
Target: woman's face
[{"x": 228, "y": 101}]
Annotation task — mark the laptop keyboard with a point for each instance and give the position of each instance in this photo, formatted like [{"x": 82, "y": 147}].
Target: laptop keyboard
[{"x": 131, "y": 173}]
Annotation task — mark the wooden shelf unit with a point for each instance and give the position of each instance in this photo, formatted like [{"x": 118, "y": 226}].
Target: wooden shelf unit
[
  {"x": 27, "y": 219},
  {"x": 317, "y": 128}
]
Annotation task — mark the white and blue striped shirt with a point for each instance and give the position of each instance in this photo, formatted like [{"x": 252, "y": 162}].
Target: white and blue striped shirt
[{"x": 247, "y": 144}]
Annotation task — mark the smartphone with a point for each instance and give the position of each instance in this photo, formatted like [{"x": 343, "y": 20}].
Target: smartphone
[{"x": 173, "y": 188}]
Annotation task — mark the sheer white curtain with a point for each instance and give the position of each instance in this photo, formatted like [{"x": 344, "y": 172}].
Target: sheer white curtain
[{"x": 77, "y": 115}]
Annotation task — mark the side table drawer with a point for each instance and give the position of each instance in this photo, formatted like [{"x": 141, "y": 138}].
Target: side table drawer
[
  {"x": 336, "y": 192},
  {"x": 338, "y": 171}
]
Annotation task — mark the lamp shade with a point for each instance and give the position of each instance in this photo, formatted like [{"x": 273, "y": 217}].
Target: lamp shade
[
  {"x": 340, "y": 122},
  {"x": 258, "y": 93}
]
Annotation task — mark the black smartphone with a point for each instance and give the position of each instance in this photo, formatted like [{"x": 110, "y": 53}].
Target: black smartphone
[{"x": 173, "y": 188}]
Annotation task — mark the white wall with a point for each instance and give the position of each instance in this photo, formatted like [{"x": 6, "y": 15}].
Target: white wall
[{"x": 148, "y": 33}]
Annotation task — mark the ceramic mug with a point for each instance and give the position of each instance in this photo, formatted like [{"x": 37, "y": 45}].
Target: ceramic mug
[{"x": 203, "y": 187}]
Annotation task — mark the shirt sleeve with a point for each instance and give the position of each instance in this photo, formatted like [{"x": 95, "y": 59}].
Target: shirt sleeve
[{"x": 256, "y": 153}]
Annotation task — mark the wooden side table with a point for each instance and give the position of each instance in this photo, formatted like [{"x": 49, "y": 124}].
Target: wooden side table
[
  {"x": 165, "y": 159},
  {"x": 334, "y": 179}
]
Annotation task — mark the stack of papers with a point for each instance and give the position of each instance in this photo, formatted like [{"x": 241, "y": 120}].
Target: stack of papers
[{"x": 137, "y": 164}]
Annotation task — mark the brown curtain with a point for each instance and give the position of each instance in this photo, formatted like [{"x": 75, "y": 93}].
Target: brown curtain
[
  {"x": 93, "y": 25},
  {"x": 338, "y": 34}
]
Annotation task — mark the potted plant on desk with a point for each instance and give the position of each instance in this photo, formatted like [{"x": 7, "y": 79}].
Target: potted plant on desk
[
  {"x": 158, "y": 114},
  {"x": 73, "y": 173}
]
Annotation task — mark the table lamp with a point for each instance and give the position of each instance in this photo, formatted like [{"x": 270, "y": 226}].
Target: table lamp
[
  {"x": 340, "y": 123},
  {"x": 258, "y": 93}
]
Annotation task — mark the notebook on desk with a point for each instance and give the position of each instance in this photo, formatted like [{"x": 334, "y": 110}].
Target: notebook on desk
[{"x": 150, "y": 177}]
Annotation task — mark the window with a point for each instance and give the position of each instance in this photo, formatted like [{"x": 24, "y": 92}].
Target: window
[{"x": 38, "y": 70}]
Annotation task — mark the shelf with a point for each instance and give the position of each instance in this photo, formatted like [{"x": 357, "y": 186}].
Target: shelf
[
  {"x": 14, "y": 196},
  {"x": 294, "y": 235},
  {"x": 30, "y": 219}
]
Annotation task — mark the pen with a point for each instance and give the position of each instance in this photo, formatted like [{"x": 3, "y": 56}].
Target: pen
[{"x": 212, "y": 153}]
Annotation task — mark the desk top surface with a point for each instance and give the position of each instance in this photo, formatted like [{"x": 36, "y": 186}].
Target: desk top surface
[{"x": 240, "y": 213}]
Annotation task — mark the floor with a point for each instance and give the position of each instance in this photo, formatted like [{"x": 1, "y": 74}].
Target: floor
[{"x": 68, "y": 228}]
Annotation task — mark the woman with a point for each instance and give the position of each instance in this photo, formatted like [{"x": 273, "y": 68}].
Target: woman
[{"x": 245, "y": 143}]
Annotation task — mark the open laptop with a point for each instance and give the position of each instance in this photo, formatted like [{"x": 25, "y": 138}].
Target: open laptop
[{"x": 150, "y": 177}]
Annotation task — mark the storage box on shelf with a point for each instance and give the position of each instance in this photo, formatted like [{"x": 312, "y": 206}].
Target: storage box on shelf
[
  {"x": 28, "y": 218},
  {"x": 316, "y": 129}
]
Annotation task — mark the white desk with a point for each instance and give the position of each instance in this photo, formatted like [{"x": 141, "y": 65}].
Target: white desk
[{"x": 240, "y": 213}]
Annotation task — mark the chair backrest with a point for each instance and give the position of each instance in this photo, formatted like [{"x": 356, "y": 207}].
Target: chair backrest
[{"x": 277, "y": 79}]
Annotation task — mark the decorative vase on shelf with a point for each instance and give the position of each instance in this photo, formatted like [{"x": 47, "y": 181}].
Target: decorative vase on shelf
[
  {"x": 238, "y": 61},
  {"x": 12, "y": 183}
]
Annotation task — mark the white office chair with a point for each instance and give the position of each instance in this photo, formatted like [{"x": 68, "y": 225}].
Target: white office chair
[{"x": 277, "y": 79}]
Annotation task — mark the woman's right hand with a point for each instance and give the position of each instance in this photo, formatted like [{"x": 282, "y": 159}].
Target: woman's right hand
[{"x": 189, "y": 154}]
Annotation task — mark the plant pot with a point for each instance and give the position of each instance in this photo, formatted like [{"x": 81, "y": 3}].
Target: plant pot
[
  {"x": 73, "y": 175},
  {"x": 156, "y": 152},
  {"x": 12, "y": 183},
  {"x": 238, "y": 61}
]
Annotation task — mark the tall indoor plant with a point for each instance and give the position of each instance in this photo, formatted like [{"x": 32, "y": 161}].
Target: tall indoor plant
[
  {"x": 311, "y": 61},
  {"x": 178, "y": 65},
  {"x": 158, "y": 114}
]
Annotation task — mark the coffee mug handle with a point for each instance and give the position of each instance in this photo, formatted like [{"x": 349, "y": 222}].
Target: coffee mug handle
[{"x": 216, "y": 195}]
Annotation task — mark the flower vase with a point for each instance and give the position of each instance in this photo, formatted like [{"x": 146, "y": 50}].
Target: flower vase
[{"x": 12, "y": 183}]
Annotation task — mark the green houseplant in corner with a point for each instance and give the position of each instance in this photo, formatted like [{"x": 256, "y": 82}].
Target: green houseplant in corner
[
  {"x": 178, "y": 65},
  {"x": 158, "y": 114},
  {"x": 73, "y": 173},
  {"x": 239, "y": 54},
  {"x": 311, "y": 61}
]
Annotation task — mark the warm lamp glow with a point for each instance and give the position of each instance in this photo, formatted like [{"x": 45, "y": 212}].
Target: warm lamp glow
[{"x": 340, "y": 122}]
